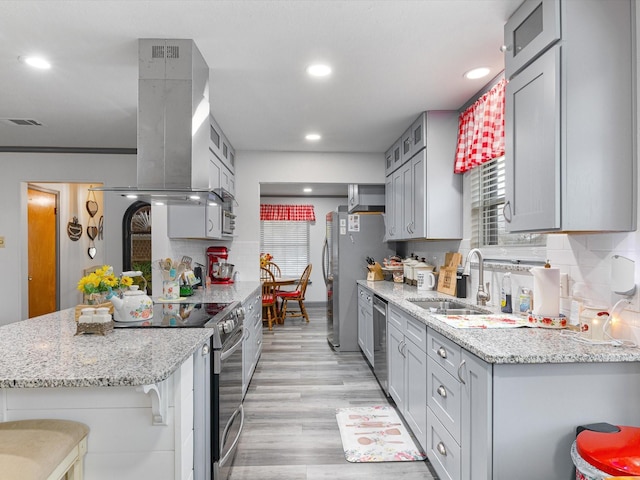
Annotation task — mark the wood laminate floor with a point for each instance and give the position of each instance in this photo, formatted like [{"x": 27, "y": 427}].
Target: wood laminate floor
[{"x": 290, "y": 429}]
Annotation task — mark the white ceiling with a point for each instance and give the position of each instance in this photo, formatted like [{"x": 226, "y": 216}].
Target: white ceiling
[{"x": 391, "y": 60}]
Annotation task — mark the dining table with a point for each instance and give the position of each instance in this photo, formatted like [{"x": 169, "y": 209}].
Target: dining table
[{"x": 280, "y": 282}]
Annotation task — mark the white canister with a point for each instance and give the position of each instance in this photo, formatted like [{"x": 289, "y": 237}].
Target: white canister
[
  {"x": 426, "y": 280},
  {"x": 170, "y": 290},
  {"x": 408, "y": 268}
]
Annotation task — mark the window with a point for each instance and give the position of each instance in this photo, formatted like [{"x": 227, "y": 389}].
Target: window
[
  {"x": 487, "y": 200},
  {"x": 288, "y": 242}
]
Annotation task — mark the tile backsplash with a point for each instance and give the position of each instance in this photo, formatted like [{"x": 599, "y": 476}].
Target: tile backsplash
[{"x": 585, "y": 259}]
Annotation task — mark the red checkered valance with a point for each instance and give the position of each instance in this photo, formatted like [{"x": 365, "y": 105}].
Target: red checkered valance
[
  {"x": 481, "y": 130},
  {"x": 294, "y": 213}
]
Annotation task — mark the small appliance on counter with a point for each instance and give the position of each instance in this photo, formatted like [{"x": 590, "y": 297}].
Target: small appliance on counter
[{"x": 220, "y": 271}]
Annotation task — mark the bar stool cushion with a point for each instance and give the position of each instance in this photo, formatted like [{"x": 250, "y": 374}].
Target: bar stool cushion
[{"x": 33, "y": 449}]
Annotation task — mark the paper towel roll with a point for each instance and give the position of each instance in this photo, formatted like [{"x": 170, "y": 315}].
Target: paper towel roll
[{"x": 546, "y": 291}]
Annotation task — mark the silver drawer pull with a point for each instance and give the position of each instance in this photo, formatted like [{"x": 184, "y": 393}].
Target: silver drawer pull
[
  {"x": 442, "y": 353},
  {"x": 442, "y": 391},
  {"x": 442, "y": 450},
  {"x": 462, "y": 364}
]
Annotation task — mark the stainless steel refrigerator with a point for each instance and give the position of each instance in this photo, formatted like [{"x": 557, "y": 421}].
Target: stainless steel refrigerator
[{"x": 351, "y": 238}]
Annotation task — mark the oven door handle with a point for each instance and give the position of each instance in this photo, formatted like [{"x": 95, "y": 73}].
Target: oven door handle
[
  {"x": 239, "y": 410},
  {"x": 227, "y": 353}
]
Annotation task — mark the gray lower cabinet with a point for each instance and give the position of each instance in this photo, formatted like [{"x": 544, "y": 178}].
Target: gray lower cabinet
[
  {"x": 365, "y": 322},
  {"x": 459, "y": 405},
  {"x": 252, "y": 342},
  {"x": 570, "y": 138},
  {"x": 406, "y": 346}
]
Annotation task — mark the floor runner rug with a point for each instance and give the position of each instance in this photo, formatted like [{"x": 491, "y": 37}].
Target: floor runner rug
[{"x": 376, "y": 434}]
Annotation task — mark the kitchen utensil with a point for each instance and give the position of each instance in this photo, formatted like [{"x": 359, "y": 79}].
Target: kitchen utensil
[
  {"x": 101, "y": 228},
  {"x": 134, "y": 306},
  {"x": 187, "y": 261}
]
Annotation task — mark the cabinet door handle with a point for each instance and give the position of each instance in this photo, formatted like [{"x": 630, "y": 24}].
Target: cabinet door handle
[
  {"x": 506, "y": 48},
  {"x": 442, "y": 353},
  {"x": 442, "y": 391},
  {"x": 462, "y": 364},
  {"x": 504, "y": 211},
  {"x": 442, "y": 450}
]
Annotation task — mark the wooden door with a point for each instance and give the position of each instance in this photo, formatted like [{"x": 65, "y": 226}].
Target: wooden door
[{"x": 43, "y": 274}]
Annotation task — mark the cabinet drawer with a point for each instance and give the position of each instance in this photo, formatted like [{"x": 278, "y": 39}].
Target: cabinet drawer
[
  {"x": 444, "y": 397},
  {"x": 417, "y": 333},
  {"x": 446, "y": 353},
  {"x": 442, "y": 450},
  {"x": 396, "y": 318}
]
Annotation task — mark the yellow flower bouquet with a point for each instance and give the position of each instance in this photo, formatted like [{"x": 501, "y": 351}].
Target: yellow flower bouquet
[
  {"x": 265, "y": 258},
  {"x": 97, "y": 285}
]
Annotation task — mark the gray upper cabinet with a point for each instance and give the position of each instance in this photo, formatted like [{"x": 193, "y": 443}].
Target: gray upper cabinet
[
  {"x": 425, "y": 200},
  {"x": 570, "y": 123},
  {"x": 393, "y": 157},
  {"x": 529, "y": 32},
  {"x": 220, "y": 145}
]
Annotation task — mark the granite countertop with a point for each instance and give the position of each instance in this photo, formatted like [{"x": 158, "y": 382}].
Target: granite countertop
[
  {"x": 45, "y": 352},
  {"x": 502, "y": 346}
]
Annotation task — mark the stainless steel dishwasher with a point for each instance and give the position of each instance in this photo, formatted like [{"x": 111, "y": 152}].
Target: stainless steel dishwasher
[{"x": 380, "y": 367}]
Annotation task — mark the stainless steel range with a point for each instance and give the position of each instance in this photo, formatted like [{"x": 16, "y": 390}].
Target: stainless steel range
[{"x": 218, "y": 412}]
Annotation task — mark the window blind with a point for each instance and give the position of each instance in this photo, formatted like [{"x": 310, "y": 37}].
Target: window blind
[
  {"x": 487, "y": 201},
  {"x": 288, "y": 243}
]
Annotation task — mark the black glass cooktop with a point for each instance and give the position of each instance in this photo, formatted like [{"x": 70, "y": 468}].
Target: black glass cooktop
[{"x": 178, "y": 315}]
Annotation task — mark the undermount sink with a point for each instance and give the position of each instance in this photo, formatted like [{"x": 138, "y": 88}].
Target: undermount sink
[{"x": 447, "y": 307}]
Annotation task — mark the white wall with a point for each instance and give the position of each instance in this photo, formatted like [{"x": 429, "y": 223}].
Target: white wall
[
  {"x": 22, "y": 168},
  {"x": 252, "y": 168}
]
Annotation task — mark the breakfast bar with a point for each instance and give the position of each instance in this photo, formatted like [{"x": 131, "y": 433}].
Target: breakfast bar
[{"x": 134, "y": 388}]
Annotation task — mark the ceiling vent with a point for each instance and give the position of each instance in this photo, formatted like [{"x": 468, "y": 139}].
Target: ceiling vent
[{"x": 26, "y": 122}]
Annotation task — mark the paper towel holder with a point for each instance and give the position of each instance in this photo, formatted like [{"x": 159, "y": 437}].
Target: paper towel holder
[{"x": 623, "y": 275}]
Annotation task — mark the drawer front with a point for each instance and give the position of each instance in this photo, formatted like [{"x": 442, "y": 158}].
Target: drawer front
[
  {"x": 442, "y": 450},
  {"x": 443, "y": 397},
  {"x": 446, "y": 353},
  {"x": 417, "y": 333},
  {"x": 396, "y": 318}
]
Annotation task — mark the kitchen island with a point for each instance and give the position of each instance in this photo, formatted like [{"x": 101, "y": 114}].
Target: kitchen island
[
  {"x": 514, "y": 396},
  {"x": 132, "y": 387}
]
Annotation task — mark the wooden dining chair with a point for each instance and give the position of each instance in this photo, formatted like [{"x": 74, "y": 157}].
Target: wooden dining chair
[
  {"x": 269, "y": 296},
  {"x": 273, "y": 268},
  {"x": 296, "y": 295}
]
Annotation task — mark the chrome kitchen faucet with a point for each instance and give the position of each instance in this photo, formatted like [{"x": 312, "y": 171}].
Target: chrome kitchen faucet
[{"x": 482, "y": 297}]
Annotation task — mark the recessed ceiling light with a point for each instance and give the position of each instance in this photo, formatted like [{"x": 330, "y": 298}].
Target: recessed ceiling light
[
  {"x": 319, "y": 70},
  {"x": 477, "y": 73},
  {"x": 307, "y": 190},
  {"x": 36, "y": 62},
  {"x": 194, "y": 197},
  {"x": 313, "y": 137},
  {"x": 131, "y": 196},
  {"x": 158, "y": 203}
]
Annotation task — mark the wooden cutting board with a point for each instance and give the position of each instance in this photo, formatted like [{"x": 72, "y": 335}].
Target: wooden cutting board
[{"x": 447, "y": 275}]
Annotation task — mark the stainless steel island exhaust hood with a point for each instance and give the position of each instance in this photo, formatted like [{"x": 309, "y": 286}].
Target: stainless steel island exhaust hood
[{"x": 173, "y": 125}]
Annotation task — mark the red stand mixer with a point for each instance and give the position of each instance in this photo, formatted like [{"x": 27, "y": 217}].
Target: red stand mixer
[{"x": 220, "y": 271}]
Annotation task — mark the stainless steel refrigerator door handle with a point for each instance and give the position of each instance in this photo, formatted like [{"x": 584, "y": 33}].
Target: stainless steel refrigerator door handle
[{"x": 325, "y": 266}]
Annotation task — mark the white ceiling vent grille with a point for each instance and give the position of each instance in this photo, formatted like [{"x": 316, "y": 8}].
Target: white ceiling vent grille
[{"x": 23, "y": 122}]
